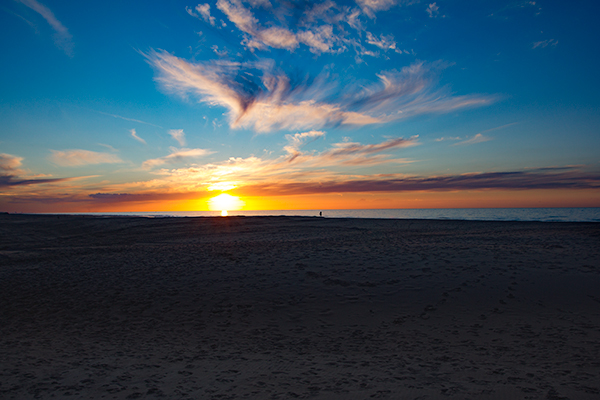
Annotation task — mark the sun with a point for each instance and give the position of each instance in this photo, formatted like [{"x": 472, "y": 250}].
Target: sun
[{"x": 225, "y": 202}]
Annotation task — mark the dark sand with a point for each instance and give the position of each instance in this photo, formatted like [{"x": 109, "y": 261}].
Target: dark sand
[{"x": 283, "y": 307}]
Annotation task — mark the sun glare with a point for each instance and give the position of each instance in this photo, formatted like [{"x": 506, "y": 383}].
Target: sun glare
[{"x": 225, "y": 202}]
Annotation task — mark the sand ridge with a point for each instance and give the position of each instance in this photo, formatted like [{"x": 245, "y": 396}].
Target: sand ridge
[{"x": 297, "y": 307}]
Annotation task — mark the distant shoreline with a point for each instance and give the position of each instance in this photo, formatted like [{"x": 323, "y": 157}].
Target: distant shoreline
[
  {"x": 235, "y": 216},
  {"x": 591, "y": 214}
]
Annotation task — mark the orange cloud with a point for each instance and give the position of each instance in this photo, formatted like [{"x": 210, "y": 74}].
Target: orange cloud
[{"x": 177, "y": 155}]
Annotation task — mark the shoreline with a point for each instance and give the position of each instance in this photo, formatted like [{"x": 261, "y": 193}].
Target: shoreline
[
  {"x": 298, "y": 307},
  {"x": 568, "y": 214},
  {"x": 282, "y": 216}
]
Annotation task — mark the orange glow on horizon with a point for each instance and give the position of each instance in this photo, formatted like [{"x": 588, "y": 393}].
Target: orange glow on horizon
[
  {"x": 328, "y": 201},
  {"x": 416, "y": 200}
]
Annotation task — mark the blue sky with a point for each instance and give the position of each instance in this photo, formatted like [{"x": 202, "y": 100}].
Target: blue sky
[{"x": 163, "y": 105}]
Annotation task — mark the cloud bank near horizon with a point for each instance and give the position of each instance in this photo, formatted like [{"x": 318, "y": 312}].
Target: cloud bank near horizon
[
  {"x": 538, "y": 179},
  {"x": 11, "y": 175}
]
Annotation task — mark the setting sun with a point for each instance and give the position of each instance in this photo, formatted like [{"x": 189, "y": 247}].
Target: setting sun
[{"x": 225, "y": 202}]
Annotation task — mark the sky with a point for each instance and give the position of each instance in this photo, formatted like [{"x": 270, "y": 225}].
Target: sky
[{"x": 366, "y": 104}]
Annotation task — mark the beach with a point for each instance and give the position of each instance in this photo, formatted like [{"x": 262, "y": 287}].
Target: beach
[{"x": 297, "y": 307}]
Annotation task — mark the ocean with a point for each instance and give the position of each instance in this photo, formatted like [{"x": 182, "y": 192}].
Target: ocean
[{"x": 471, "y": 214}]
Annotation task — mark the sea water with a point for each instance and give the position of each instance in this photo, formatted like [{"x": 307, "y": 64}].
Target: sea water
[{"x": 472, "y": 214}]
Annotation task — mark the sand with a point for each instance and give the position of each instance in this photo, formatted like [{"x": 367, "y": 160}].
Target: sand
[{"x": 297, "y": 307}]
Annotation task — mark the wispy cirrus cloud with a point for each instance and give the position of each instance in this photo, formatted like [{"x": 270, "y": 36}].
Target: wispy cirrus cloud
[
  {"x": 78, "y": 157},
  {"x": 411, "y": 91},
  {"x": 126, "y": 118},
  {"x": 136, "y": 137},
  {"x": 202, "y": 11},
  {"x": 371, "y": 7},
  {"x": 384, "y": 42},
  {"x": 297, "y": 140},
  {"x": 244, "y": 20},
  {"x": 178, "y": 135},
  {"x": 442, "y": 139},
  {"x": 352, "y": 148},
  {"x": 544, "y": 43},
  {"x": 108, "y": 146},
  {"x": 346, "y": 153},
  {"x": 509, "y": 9},
  {"x": 62, "y": 38},
  {"x": 270, "y": 101},
  {"x": 28, "y": 22},
  {"x": 478, "y": 138},
  {"x": 321, "y": 27},
  {"x": 318, "y": 38},
  {"x": 176, "y": 156},
  {"x": 433, "y": 10}
]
